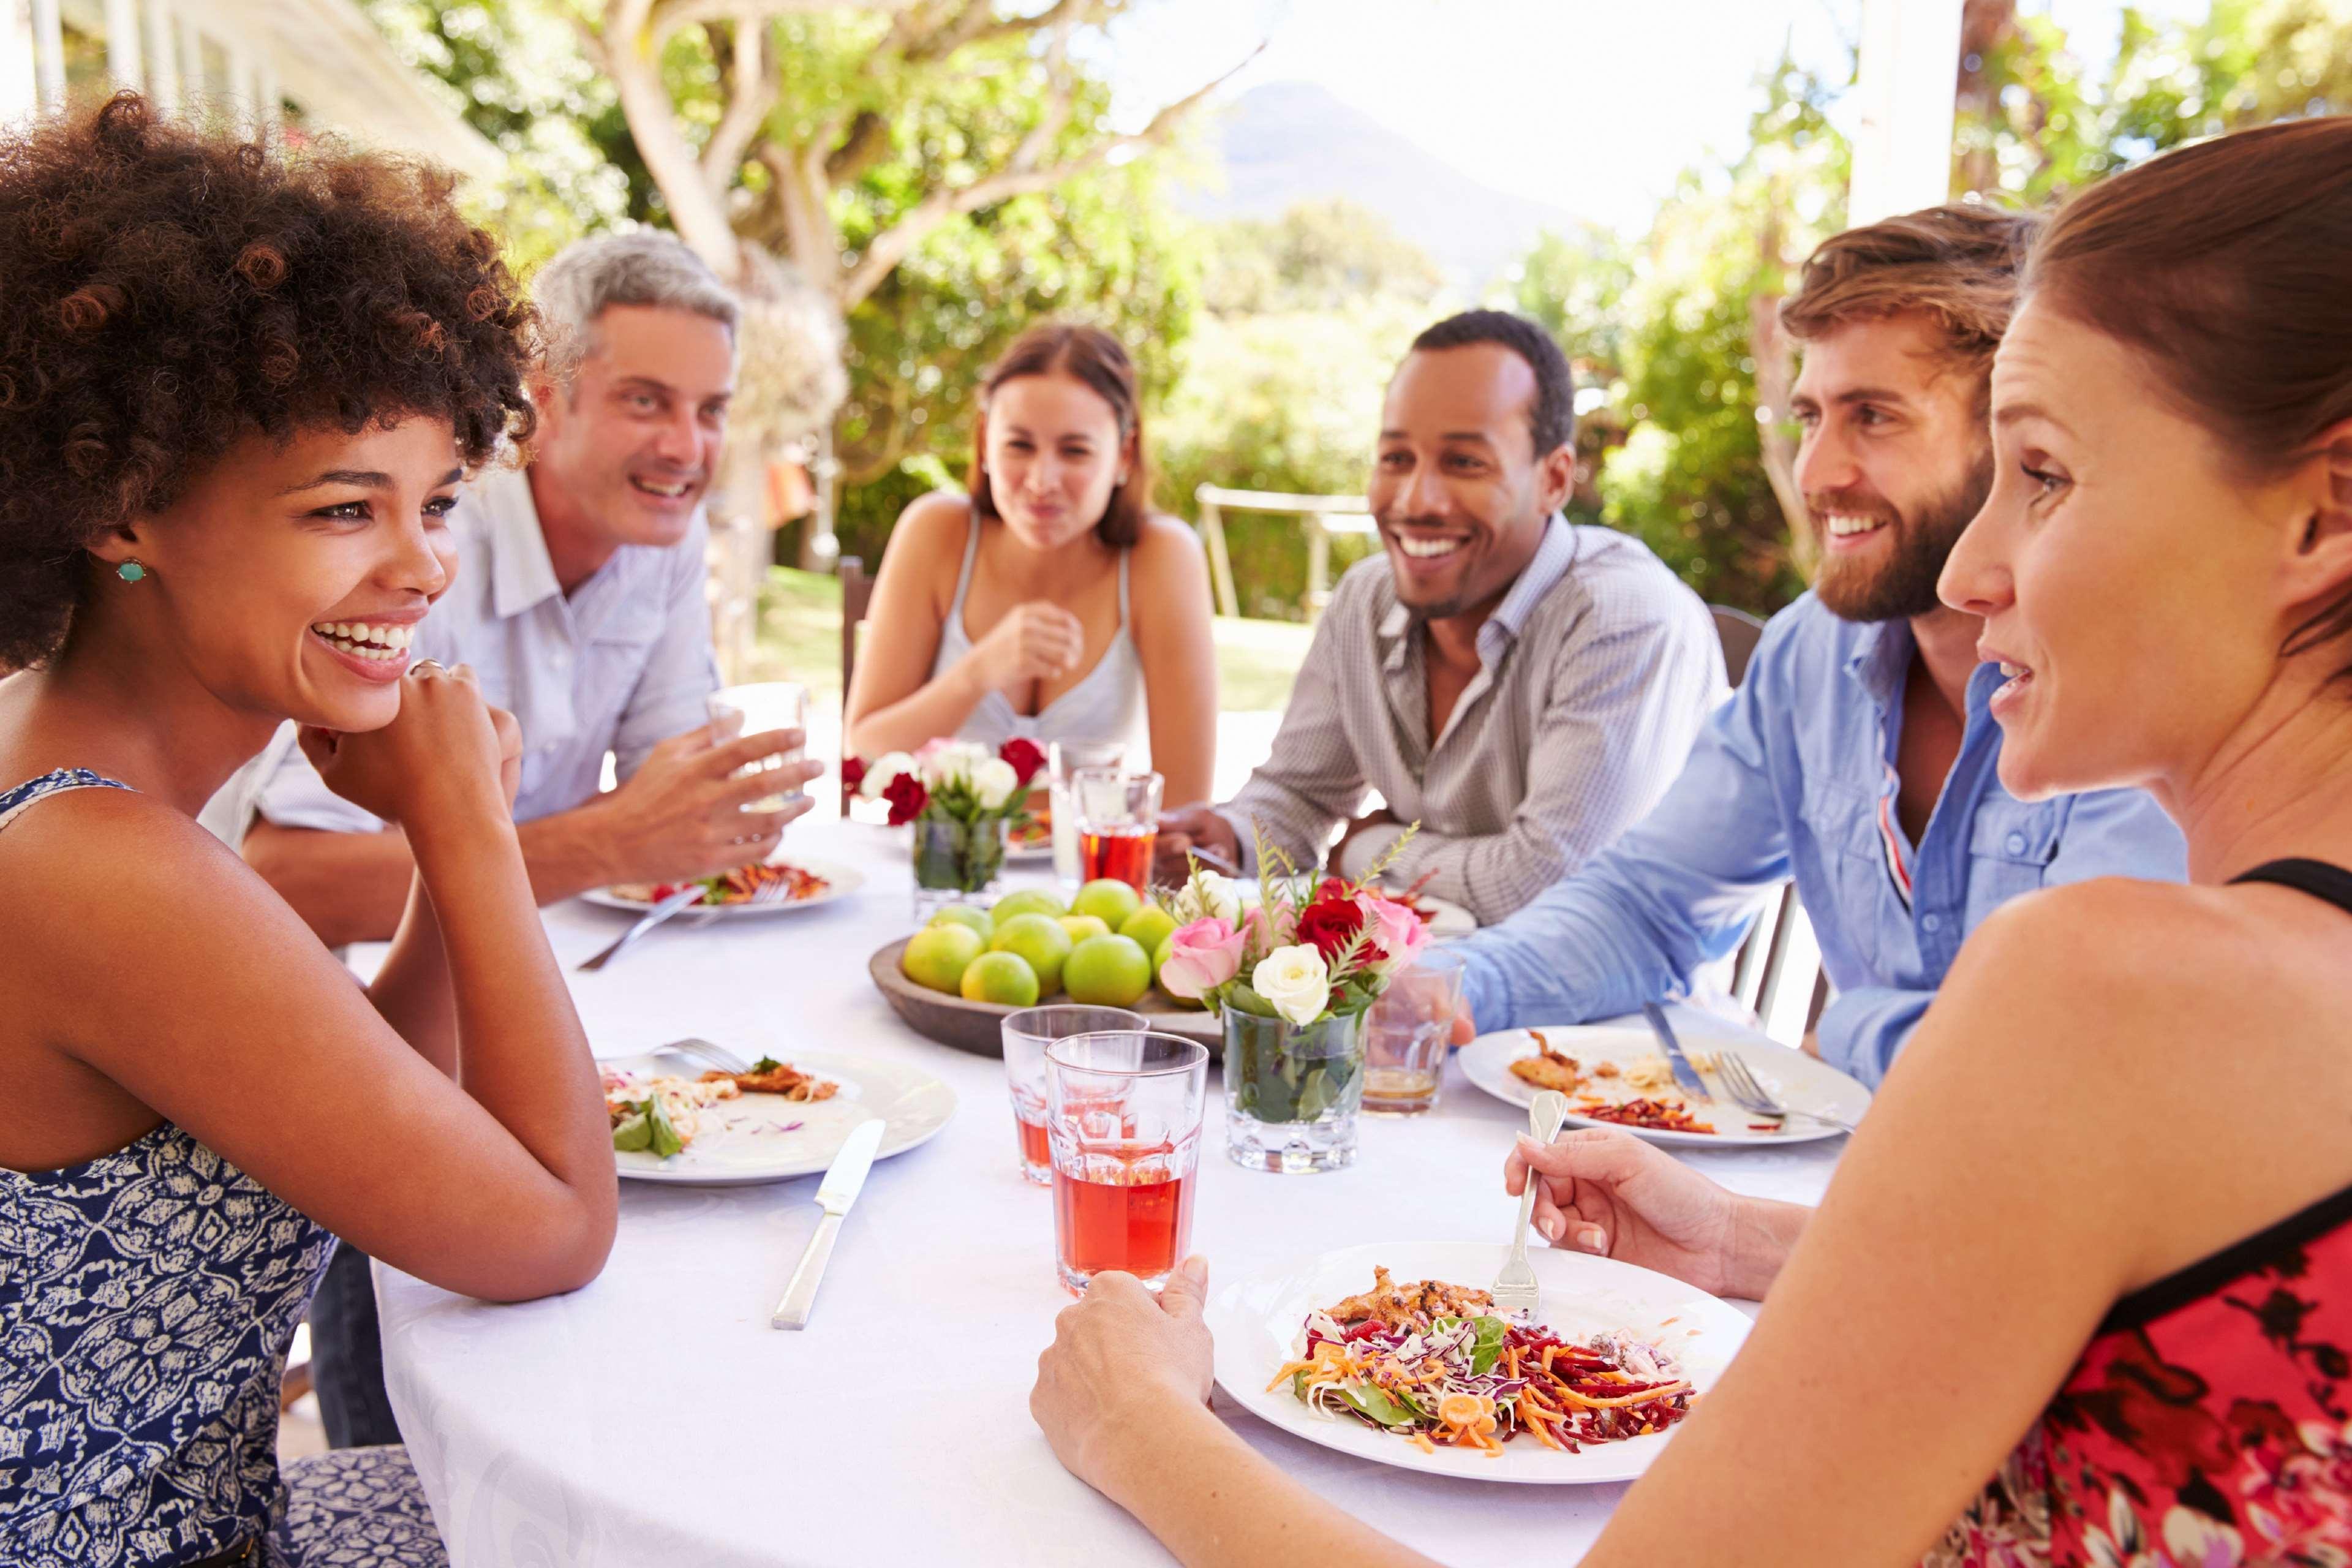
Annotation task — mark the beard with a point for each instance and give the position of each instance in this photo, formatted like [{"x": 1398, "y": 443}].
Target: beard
[{"x": 1905, "y": 584}]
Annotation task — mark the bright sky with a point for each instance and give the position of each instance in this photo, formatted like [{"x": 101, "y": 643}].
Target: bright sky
[{"x": 1592, "y": 105}]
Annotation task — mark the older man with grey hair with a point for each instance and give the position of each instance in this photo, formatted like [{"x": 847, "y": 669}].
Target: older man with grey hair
[{"x": 577, "y": 599}]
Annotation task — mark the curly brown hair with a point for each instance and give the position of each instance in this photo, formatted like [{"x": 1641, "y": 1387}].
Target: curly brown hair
[{"x": 168, "y": 291}]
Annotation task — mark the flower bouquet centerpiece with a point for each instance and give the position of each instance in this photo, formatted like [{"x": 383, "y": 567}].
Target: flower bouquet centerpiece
[
  {"x": 1292, "y": 979},
  {"x": 960, "y": 798}
]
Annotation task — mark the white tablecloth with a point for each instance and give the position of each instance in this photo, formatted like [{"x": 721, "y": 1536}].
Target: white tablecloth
[{"x": 656, "y": 1418}]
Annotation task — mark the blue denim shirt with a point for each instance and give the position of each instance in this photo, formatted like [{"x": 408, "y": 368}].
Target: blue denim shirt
[{"x": 1795, "y": 777}]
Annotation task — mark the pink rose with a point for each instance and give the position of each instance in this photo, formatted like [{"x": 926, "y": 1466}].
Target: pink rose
[
  {"x": 1396, "y": 929},
  {"x": 1201, "y": 957}
]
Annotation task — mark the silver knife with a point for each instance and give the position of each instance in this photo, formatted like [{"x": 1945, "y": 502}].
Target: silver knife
[
  {"x": 646, "y": 922},
  {"x": 839, "y": 1189},
  {"x": 1684, "y": 1074}
]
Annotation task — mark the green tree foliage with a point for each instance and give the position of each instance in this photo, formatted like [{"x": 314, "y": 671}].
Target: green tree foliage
[
  {"x": 1104, "y": 246},
  {"x": 1306, "y": 318},
  {"x": 1668, "y": 329},
  {"x": 513, "y": 68},
  {"x": 1677, "y": 326}
]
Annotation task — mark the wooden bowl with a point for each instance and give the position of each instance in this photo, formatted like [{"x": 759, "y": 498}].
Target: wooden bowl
[{"x": 975, "y": 1026}]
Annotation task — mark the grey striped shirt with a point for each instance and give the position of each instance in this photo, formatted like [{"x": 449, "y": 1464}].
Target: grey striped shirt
[{"x": 1599, "y": 669}]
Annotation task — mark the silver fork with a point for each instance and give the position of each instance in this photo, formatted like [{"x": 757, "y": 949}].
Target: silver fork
[
  {"x": 1516, "y": 1290},
  {"x": 704, "y": 1051},
  {"x": 1751, "y": 1096},
  {"x": 645, "y": 923}
]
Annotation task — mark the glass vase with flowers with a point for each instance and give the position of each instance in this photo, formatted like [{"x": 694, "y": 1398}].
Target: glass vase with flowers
[
  {"x": 960, "y": 798},
  {"x": 1292, "y": 978}
]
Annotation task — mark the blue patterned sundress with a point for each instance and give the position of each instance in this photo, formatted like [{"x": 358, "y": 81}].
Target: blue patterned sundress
[{"x": 147, "y": 1298}]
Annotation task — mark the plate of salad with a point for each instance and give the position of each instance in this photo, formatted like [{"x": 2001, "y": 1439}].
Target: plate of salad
[
  {"x": 675, "y": 1120},
  {"x": 1395, "y": 1354},
  {"x": 761, "y": 888}
]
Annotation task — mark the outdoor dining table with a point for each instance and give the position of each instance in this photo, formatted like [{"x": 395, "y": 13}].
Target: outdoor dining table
[{"x": 654, "y": 1417}]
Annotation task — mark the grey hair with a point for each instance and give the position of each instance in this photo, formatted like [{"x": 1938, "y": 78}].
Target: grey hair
[{"x": 642, "y": 266}]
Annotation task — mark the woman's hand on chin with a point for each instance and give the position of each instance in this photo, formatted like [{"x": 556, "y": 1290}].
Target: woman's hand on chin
[
  {"x": 1122, "y": 1364},
  {"x": 445, "y": 750}
]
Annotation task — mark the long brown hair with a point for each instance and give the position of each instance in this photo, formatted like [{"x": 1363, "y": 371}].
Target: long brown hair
[
  {"x": 1095, "y": 357},
  {"x": 2228, "y": 266}
]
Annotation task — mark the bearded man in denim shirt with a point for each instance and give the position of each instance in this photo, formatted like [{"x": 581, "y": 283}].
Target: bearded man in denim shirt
[{"x": 1857, "y": 755}]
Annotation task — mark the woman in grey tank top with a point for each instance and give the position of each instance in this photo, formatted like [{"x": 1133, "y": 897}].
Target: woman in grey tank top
[{"x": 1050, "y": 602}]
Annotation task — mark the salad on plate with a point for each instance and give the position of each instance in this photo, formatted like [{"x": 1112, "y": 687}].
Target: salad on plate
[{"x": 1434, "y": 1364}]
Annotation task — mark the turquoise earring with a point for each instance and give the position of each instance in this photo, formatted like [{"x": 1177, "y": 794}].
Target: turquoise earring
[{"x": 131, "y": 571}]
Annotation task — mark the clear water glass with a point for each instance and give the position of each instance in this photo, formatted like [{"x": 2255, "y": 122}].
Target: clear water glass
[
  {"x": 1027, "y": 1034},
  {"x": 1407, "y": 1033},
  {"x": 754, "y": 710},
  {"x": 1064, "y": 758},
  {"x": 1123, "y": 1123},
  {"x": 1119, "y": 821}
]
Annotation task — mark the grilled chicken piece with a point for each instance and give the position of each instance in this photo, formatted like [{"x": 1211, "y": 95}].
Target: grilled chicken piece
[
  {"x": 1412, "y": 1305},
  {"x": 769, "y": 1076},
  {"x": 1552, "y": 1070}
]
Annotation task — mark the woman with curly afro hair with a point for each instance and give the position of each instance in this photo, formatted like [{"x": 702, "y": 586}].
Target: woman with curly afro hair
[{"x": 238, "y": 393}]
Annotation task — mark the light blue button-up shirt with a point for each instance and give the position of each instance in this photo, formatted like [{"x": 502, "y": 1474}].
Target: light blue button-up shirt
[
  {"x": 620, "y": 664},
  {"x": 1795, "y": 777}
]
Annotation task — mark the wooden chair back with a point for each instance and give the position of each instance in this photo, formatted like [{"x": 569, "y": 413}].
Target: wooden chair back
[
  {"x": 1739, "y": 631},
  {"x": 856, "y": 599},
  {"x": 1768, "y": 963}
]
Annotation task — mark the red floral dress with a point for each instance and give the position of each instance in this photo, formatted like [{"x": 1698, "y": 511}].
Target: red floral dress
[{"x": 2209, "y": 1422}]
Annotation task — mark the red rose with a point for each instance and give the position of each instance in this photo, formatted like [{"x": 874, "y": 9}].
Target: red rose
[
  {"x": 1331, "y": 923},
  {"x": 907, "y": 797},
  {"x": 853, "y": 774},
  {"x": 1025, "y": 758}
]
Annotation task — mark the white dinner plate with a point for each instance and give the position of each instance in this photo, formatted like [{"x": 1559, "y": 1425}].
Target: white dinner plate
[
  {"x": 755, "y": 1139},
  {"x": 1257, "y": 1323},
  {"x": 1797, "y": 1080},
  {"x": 841, "y": 882}
]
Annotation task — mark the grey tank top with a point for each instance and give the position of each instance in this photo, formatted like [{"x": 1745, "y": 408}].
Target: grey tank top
[{"x": 1107, "y": 704}]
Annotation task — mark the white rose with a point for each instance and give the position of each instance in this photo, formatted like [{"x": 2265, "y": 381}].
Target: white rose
[
  {"x": 1295, "y": 979},
  {"x": 993, "y": 781},
  {"x": 887, "y": 766},
  {"x": 953, "y": 764},
  {"x": 1218, "y": 897}
]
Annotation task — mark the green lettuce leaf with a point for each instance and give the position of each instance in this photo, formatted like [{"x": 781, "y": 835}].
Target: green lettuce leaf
[
  {"x": 1377, "y": 1404},
  {"x": 634, "y": 1133},
  {"x": 647, "y": 1128},
  {"x": 1487, "y": 1347}
]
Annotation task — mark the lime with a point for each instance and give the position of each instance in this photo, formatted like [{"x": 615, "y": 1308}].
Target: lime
[
  {"x": 936, "y": 956},
  {"x": 1039, "y": 939},
  {"x": 1081, "y": 927},
  {"x": 1108, "y": 899},
  {"x": 1150, "y": 926},
  {"x": 1107, "y": 972},
  {"x": 971, "y": 915},
  {"x": 1003, "y": 978},
  {"x": 1028, "y": 901}
]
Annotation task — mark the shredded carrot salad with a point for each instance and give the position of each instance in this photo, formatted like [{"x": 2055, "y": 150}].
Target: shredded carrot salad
[{"x": 1458, "y": 1376}]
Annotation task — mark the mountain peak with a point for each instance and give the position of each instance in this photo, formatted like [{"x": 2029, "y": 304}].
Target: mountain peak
[{"x": 1290, "y": 141}]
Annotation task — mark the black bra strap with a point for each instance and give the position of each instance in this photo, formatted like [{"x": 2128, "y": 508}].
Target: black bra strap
[{"x": 2317, "y": 878}]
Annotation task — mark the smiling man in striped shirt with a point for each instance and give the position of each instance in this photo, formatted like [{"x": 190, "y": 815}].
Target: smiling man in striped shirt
[{"x": 1521, "y": 687}]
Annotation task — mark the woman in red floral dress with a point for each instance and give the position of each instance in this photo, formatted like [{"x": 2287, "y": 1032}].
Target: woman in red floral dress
[{"x": 2104, "y": 1198}]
